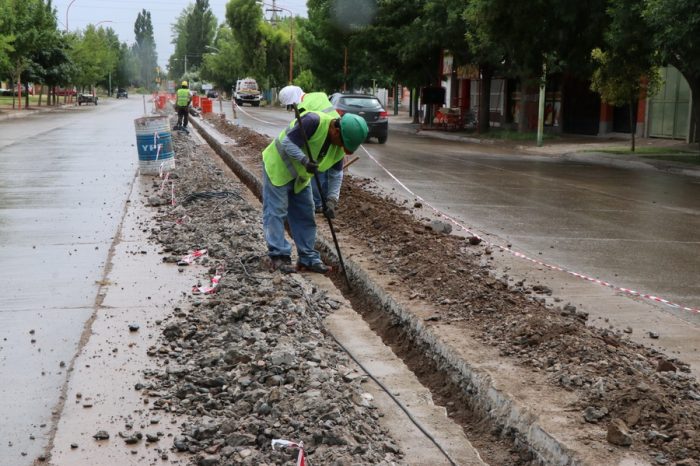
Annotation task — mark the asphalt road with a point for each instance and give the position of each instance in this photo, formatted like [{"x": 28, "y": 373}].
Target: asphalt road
[
  {"x": 64, "y": 180},
  {"x": 637, "y": 229}
]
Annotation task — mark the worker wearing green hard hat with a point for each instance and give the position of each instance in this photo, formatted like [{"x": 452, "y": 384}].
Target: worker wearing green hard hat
[
  {"x": 353, "y": 129},
  {"x": 288, "y": 167}
]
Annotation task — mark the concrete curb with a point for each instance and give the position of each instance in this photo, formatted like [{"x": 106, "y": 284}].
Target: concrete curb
[
  {"x": 584, "y": 155},
  {"x": 247, "y": 177},
  {"x": 492, "y": 403},
  {"x": 15, "y": 114}
]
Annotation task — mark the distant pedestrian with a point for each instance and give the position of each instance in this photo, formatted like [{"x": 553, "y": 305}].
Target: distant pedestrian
[{"x": 182, "y": 105}]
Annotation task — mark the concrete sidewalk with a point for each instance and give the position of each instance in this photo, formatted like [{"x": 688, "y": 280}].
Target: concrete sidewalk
[{"x": 13, "y": 113}]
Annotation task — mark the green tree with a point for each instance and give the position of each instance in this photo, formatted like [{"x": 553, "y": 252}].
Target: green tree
[
  {"x": 112, "y": 57},
  {"x": 201, "y": 28},
  {"x": 38, "y": 61},
  {"x": 93, "y": 56},
  {"x": 27, "y": 23},
  {"x": 676, "y": 26},
  {"x": 276, "y": 46},
  {"x": 6, "y": 37},
  {"x": 337, "y": 53},
  {"x": 517, "y": 38},
  {"x": 244, "y": 17},
  {"x": 145, "y": 49},
  {"x": 57, "y": 67},
  {"x": 127, "y": 67},
  {"x": 176, "y": 62},
  {"x": 193, "y": 33},
  {"x": 626, "y": 66},
  {"x": 223, "y": 66}
]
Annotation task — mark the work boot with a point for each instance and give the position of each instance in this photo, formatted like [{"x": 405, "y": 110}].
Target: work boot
[
  {"x": 281, "y": 263},
  {"x": 318, "y": 209},
  {"x": 317, "y": 267}
]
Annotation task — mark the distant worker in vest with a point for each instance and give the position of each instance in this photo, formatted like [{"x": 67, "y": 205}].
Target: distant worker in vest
[
  {"x": 316, "y": 102},
  {"x": 287, "y": 173},
  {"x": 182, "y": 105}
]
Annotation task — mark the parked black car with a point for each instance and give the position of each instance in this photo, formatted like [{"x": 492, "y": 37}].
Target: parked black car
[
  {"x": 87, "y": 99},
  {"x": 212, "y": 94},
  {"x": 122, "y": 93},
  {"x": 369, "y": 108}
]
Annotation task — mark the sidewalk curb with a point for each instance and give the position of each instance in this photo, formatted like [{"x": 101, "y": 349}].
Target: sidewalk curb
[
  {"x": 590, "y": 156},
  {"x": 23, "y": 113}
]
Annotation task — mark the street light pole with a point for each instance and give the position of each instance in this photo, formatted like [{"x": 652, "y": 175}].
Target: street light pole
[{"x": 68, "y": 8}]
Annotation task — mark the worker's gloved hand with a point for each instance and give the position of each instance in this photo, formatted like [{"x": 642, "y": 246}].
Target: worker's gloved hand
[
  {"x": 331, "y": 205},
  {"x": 310, "y": 165}
]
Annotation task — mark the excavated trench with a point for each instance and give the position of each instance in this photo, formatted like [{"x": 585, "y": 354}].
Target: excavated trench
[
  {"x": 495, "y": 443},
  {"x": 495, "y": 427}
]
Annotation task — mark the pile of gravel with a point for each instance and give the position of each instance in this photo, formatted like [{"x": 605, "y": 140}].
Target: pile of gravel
[{"x": 252, "y": 362}]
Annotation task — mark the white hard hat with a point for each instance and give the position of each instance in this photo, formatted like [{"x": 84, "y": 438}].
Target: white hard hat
[{"x": 290, "y": 95}]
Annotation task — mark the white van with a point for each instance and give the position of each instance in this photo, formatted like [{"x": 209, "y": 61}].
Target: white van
[{"x": 247, "y": 92}]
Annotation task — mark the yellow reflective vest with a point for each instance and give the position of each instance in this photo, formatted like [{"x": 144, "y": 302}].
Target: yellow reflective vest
[
  {"x": 317, "y": 102},
  {"x": 183, "y": 97},
  {"x": 281, "y": 168}
]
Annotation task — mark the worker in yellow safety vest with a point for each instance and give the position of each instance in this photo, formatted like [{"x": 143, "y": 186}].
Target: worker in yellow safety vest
[
  {"x": 287, "y": 171},
  {"x": 183, "y": 98},
  {"x": 316, "y": 102}
]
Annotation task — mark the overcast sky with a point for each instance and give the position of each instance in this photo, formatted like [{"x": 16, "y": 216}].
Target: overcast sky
[{"x": 120, "y": 15}]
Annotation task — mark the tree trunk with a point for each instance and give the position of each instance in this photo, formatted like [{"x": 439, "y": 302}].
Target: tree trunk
[
  {"x": 416, "y": 116},
  {"x": 694, "y": 133},
  {"x": 633, "y": 125},
  {"x": 483, "y": 119},
  {"x": 522, "y": 121}
]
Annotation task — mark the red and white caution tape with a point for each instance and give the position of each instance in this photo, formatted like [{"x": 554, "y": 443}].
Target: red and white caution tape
[
  {"x": 156, "y": 136},
  {"x": 251, "y": 116},
  {"x": 165, "y": 179},
  {"x": 528, "y": 258},
  {"x": 301, "y": 459},
  {"x": 189, "y": 258},
  {"x": 208, "y": 289}
]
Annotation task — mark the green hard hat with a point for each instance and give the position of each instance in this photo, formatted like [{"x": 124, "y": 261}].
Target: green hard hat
[{"x": 353, "y": 129}]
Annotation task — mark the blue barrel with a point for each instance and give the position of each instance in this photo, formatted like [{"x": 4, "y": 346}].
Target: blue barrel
[{"x": 154, "y": 143}]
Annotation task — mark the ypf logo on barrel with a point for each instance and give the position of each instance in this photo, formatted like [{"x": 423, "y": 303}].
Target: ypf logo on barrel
[{"x": 155, "y": 151}]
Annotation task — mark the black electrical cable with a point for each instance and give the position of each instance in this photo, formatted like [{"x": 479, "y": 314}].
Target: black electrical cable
[
  {"x": 210, "y": 195},
  {"x": 398, "y": 403}
]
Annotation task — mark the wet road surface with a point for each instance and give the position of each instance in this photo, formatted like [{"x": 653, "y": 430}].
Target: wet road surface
[
  {"x": 637, "y": 229},
  {"x": 64, "y": 180}
]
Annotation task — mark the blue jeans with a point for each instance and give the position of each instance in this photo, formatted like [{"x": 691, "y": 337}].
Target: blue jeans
[
  {"x": 323, "y": 178},
  {"x": 280, "y": 204}
]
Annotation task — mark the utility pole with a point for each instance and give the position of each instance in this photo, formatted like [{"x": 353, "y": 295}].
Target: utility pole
[
  {"x": 345, "y": 70},
  {"x": 540, "y": 112}
]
